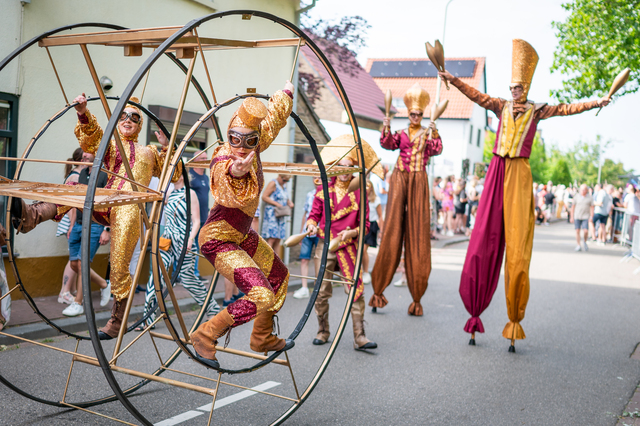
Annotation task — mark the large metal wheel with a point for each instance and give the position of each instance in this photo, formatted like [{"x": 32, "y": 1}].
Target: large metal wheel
[{"x": 173, "y": 320}]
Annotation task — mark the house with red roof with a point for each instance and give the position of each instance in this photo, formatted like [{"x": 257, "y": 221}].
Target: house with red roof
[{"x": 462, "y": 126}]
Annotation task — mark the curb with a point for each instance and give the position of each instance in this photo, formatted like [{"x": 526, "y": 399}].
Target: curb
[{"x": 41, "y": 330}]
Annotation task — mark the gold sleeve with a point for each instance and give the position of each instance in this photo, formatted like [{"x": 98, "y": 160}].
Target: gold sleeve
[
  {"x": 311, "y": 222},
  {"x": 89, "y": 134},
  {"x": 160, "y": 157},
  {"x": 280, "y": 106},
  {"x": 231, "y": 191}
]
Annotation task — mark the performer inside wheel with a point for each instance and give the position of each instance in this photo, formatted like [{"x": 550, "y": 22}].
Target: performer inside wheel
[
  {"x": 345, "y": 225},
  {"x": 145, "y": 162},
  {"x": 506, "y": 210},
  {"x": 407, "y": 205},
  {"x": 227, "y": 240}
]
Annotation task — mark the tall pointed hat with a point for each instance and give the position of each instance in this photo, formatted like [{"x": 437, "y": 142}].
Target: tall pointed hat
[{"x": 524, "y": 60}]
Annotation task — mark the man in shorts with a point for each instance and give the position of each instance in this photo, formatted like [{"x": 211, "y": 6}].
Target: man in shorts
[
  {"x": 99, "y": 236},
  {"x": 308, "y": 244},
  {"x": 603, "y": 203},
  {"x": 581, "y": 211}
]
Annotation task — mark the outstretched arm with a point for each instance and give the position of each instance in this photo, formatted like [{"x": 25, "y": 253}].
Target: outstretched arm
[
  {"x": 548, "y": 111},
  {"x": 88, "y": 131},
  {"x": 387, "y": 139},
  {"x": 482, "y": 99}
]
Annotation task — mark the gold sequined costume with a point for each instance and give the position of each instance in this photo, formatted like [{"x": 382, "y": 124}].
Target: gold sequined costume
[
  {"x": 226, "y": 239},
  {"x": 145, "y": 162}
]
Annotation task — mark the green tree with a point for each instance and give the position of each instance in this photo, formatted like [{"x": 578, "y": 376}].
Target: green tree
[
  {"x": 598, "y": 40},
  {"x": 560, "y": 173},
  {"x": 612, "y": 171},
  {"x": 538, "y": 160},
  {"x": 489, "y": 142}
]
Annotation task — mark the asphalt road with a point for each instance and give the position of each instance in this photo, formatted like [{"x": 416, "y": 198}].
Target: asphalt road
[{"x": 574, "y": 368}]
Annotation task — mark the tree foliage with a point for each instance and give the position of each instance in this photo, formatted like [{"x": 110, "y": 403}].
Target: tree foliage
[
  {"x": 340, "y": 41},
  {"x": 538, "y": 160},
  {"x": 598, "y": 40}
]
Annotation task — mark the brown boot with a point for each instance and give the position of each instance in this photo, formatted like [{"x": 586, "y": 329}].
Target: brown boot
[
  {"x": 360, "y": 341},
  {"x": 323, "y": 325},
  {"x": 25, "y": 217},
  {"x": 205, "y": 338},
  {"x": 112, "y": 328},
  {"x": 262, "y": 337}
]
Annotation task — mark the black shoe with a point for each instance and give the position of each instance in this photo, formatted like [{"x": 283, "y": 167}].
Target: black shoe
[
  {"x": 370, "y": 345},
  {"x": 236, "y": 297},
  {"x": 104, "y": 336},
  {"x": 140, "y": 289},
  {"x": 318, "y": 342},
  {"x": 211, "y": 363}
]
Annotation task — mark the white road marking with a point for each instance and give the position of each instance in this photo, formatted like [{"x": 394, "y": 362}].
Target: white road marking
[
  {"x": 219, "y": 404},
  {"x": 180, "y": 418},
  {"x": 240, "y": 395}
]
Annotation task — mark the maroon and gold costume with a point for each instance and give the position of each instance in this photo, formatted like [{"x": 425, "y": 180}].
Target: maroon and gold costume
[
  {"x": 408, "y": 215},
  {"x": 227, "y": 240},
  {"x": 145, "y": 162},
  {"x": 345, "y": 214}
]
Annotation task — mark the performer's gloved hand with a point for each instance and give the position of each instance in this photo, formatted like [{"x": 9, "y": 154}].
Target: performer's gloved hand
[
  {"x": 603, "y": 102},
  {"x": 81, "y": 108},
  {"x": 432, "y": 126},
  {"x": 386, "y": 122},
  {"x": 241, "y": 166},
  {"x": 347, "y": 234}
]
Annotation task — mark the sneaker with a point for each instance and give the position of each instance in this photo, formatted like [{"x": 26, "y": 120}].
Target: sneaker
[
  {"x": 237, "y": 296},
  {"x": 105, "y": 294},
  {"x": 586, "y": 248},
  {"x": 450, "y": 234},
  {"x": 578, "y": 248},
  {"x": 301, "y": 293},
  {"x": 546, "y": 224},
  {"x": 73, "y": 310},
  {"x": 366, "y": 278},
  {"x": 400, "y": 283},
  {"x": 66, "y": 297}
]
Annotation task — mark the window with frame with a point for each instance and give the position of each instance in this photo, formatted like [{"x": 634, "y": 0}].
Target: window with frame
[
  {"x": 167, "y": 116},
  {"x": 8, "y": 139}
]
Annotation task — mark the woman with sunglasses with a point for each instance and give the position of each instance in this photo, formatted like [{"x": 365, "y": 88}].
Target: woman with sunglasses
[
  {"x": 407, "y": 217},
  {"x": 124, "y": 221},
  {"x": 227, "y": 240}
]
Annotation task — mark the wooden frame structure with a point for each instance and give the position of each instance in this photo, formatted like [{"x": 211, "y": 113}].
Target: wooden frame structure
[{"x": 187, "y": 44}]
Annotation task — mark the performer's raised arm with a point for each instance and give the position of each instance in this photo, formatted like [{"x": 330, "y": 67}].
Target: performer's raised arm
[
  {"x": 280, "y": 105},
  {"x": 434, "y": 143},
  {"x": 482, "y": 99},
  {"x": 88, "y": 131},
  {"x": 389, "y": 140}
]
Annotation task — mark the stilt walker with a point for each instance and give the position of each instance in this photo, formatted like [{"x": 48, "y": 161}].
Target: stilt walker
[
  {"x": 407, "y": 215},
  {"x": 236, "y": 251},
  {"x": 506, "y": 211}
]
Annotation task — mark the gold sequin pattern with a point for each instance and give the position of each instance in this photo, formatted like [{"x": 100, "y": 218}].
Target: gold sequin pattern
[
  {"x": 227, "y": 262},
  {"x": 262, "y": 297},
  {"x": 125, "y": 231},
  {"x": 90, "y": 134},
  {"x": 280, "y": 106},
  {"x": 219, "y": 230},
  {"x": 281, "y": 295},
  {"x": 239, "y": 193},
  {"x": 264, "y": 256}
]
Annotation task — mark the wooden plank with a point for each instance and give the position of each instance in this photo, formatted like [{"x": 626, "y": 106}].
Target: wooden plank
[
  {"x": 298, "y": 169},
  {"x": 73, "y": 195},
  {"x": 108, "y": 37}
]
